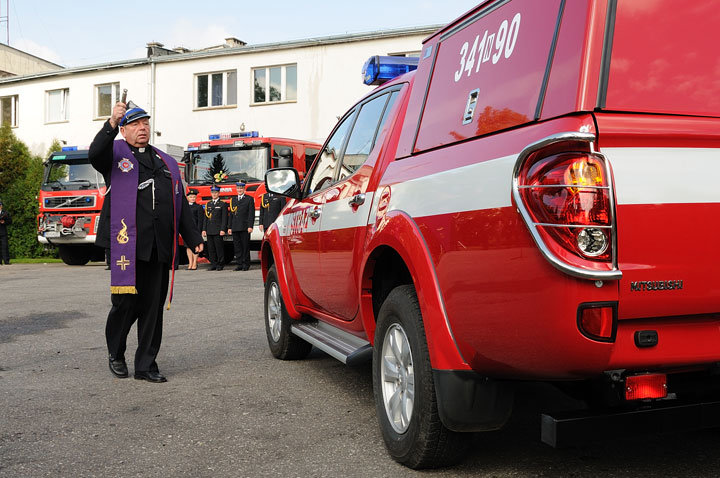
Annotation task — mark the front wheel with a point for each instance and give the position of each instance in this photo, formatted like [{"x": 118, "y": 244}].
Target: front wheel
[
  {"x": 404, "y": 390},
  {"x": 283, "y": 343},
  {"x": 75, "y": 255}
]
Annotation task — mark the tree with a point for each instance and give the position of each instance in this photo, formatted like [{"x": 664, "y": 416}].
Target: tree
[
  {"x": 21, "y": 175},
  {"x": 218, "y": 170}
]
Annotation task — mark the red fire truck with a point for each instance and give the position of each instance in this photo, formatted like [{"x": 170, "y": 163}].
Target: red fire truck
[
  {"x": 70, "y": 200},
  {"x": 535, "y": 202},
  {"x": 71, "y": 197},
  {"x": 242, "y": 156}
]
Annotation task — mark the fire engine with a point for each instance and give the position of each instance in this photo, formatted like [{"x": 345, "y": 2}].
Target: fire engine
[
  {"x": 534, "y": 202},
  {"x": 226, "y": 158},
  {"x": 70, "y": 201}
]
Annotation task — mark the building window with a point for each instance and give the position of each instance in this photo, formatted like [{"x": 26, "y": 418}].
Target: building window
[
  {"x": 273, "y": 84},
  {"x": 216, "y": 89},
  {"x": 56, "y": 105},
  {"x": 105, "y": 98},
  {"x": 8, "y": 110}
]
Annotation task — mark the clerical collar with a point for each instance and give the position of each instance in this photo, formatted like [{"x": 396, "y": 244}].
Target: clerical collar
[{"x": 142, "y": 150}]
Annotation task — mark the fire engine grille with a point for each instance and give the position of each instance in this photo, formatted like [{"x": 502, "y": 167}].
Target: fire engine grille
[{"x": 70, "y": 202}]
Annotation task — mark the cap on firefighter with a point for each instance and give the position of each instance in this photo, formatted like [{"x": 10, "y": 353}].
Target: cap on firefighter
[
  {"x": 133, "y": 114},
  {"x": 215, "y": 187},
  {"x": 240, "y": 184},
  {"x": 192, "y": 191}
]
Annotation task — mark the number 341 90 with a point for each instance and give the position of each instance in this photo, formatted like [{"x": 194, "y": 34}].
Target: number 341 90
[{"x": 493, "y": 47}]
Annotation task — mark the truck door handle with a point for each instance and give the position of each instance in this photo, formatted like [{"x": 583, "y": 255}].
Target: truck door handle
[
  {"x": 357, "y": 200},
  {"x": 315, "y": 213}
]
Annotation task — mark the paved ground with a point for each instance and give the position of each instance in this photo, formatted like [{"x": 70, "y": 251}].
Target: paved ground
[{"x": 229, "y": 408}]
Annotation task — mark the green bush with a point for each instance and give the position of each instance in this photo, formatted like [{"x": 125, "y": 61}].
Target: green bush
[{"x": 21, "y": 175}]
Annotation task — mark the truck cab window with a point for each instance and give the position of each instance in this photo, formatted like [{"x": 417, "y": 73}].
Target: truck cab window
[{"x": 363, "y": 136}]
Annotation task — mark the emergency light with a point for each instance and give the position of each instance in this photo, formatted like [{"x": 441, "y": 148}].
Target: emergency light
[
  {"x": 244, "y": 134},
  {"x": 379, "y": 69},
  {"x": 69, "y": 148}
]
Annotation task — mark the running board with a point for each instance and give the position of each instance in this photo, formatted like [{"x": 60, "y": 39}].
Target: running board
[{"x": 345, "y": 347}]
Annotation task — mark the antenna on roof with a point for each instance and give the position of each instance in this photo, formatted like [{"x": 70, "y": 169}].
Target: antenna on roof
[{"x": 6, "y": 19}]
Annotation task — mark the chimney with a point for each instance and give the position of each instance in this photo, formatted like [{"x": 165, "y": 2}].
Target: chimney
[
  {"x": 156, "y": 49},
  {"x": 181, "y": 49},
  {"x": 232, "y": 42}
]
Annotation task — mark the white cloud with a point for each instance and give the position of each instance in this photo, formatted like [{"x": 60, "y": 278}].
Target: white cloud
[{"x": 44, "y": 52}]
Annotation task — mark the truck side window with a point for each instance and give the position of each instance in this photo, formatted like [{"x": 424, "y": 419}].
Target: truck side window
[
  {"x": 310, "y": 155},
  {"x": 362, "y": 139},
  {"x": 324, "y": 171}
]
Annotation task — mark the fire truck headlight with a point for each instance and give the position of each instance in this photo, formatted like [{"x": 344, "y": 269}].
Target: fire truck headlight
[{"x": 592, "y": 241}]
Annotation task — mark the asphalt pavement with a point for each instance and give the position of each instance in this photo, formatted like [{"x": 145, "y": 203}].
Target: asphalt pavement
[{"x": 229, "y": 408}]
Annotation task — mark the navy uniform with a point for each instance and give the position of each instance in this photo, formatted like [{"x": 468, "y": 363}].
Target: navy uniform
[
  {"x": 197, "y": 211},
  {"x": 242, "y": 217},
  {"x": 270, "y": 208},
  {"x": 215, "y": 221},
  {"x": 5, "y": 221}
]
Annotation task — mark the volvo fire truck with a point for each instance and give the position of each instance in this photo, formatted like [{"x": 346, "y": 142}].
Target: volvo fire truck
[{"x": 71, "y": 197}]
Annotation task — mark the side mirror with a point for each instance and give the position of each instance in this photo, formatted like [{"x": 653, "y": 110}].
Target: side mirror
[{"x": 283, "y": 181}]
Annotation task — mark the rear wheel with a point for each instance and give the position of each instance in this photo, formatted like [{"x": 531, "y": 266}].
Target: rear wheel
[
  {"x": 283, "y": 343},
  {"x": 75, "y": 255},
  {"x": 404, "y": 389}
]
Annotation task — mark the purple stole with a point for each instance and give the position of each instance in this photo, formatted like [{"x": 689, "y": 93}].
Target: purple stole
[{"x": 123, "y": 228}]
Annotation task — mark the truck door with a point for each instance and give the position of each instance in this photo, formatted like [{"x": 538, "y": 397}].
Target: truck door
[
  {"x": 347, "y": 206},
  {"x": 304, "y": 216}
]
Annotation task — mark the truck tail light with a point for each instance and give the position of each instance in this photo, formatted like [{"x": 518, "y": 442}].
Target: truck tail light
[
  {"x": 564, "y": 193},
  {"x": 645, "y": 387},
  {"x": 598, "y": 320}
]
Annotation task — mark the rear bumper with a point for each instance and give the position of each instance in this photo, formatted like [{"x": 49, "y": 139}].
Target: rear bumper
[{"x": 564, "y": 429}]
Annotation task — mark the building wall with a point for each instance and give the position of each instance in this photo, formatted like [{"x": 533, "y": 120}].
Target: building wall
[{"x": 328, "y": 83}]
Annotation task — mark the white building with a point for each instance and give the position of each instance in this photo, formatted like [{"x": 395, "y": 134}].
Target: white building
[{"x": 294, "y": 89}]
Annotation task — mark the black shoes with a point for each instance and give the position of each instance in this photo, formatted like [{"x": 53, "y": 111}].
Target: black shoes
[
  {"x": 238, "y": 268},
  {"x": 154, "y": 377},
  {"x": 220, "y": 268},
  {"x": 212, "y": 268},
  {"x": 118, "y": 368}
]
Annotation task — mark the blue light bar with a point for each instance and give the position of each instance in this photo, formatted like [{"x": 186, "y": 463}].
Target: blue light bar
[
  {"x": 213, "y": 136},
  {"x": 192, "y": 148},
  {"x": 379, "y": 69},
  {"x": 69, "y": 148}
]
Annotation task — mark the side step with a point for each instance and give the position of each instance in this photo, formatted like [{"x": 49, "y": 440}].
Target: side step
[
  {"x": 345, "y": 347},
  {"x": 568, "y": 429}
]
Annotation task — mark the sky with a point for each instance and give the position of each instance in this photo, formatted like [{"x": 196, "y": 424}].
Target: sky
[{"x": 75, "y": 33}]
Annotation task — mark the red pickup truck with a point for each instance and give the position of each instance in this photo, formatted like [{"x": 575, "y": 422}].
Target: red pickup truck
[{"x": 535, "y": 202}]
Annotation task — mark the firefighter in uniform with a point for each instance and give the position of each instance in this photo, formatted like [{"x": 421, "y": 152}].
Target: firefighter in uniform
[
  {"x": 142, "y": 214},
  {"x": 4, "y": 223},
  {"x": 214, "y": 227},
  {"x": 197, "y": 214},
  {"x": 242, "y": 216},
  {"x": 270, "y": 207}
]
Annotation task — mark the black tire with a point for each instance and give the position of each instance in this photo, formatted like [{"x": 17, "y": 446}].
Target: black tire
[
  {"x": 284, "y": 345},
  {"x": 75, "y": 255},
  {"x": 420, "y": 440}
]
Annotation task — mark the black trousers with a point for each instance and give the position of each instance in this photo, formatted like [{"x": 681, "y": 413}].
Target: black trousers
[
  {"x": 147, "y": 308},
  {"x": 241, "y": 243},
  {"x": 4, "y": 249},
  {"x": 216, "y": 249}
]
